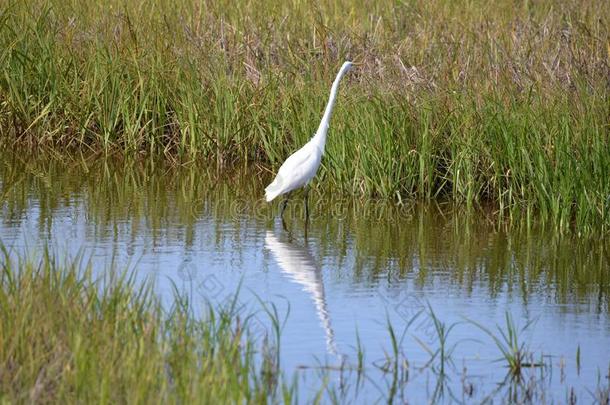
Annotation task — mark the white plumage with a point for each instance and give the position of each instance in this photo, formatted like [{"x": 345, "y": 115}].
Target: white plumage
[
  {"x": 302, "y": 165},
  {"x": 296, "y": 171}
]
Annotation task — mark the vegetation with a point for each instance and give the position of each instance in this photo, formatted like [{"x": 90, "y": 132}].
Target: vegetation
[
  {"x": 514, "y": 351},
  {"x": 504, "y": 103},
  {"x": 66, "y": 337}
]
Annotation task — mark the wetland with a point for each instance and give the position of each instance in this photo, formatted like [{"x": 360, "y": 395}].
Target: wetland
[{"x": 365, "y": 274}]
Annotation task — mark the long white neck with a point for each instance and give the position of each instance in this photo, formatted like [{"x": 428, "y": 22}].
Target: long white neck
[{"x": 320, "y": 136}]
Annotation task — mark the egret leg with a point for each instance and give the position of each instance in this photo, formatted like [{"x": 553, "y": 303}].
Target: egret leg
[
  {"x": 306, "y": 204},
  {"x": 284, "y": 205}
]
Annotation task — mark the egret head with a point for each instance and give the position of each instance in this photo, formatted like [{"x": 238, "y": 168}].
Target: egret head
[{"x": 347, "y": 65}]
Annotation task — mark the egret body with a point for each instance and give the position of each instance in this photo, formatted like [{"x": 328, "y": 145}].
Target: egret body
[{"x": 300, "y": 167}]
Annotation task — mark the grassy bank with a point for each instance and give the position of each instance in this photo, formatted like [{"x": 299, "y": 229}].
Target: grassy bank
[{"x": 505, "y": 102}]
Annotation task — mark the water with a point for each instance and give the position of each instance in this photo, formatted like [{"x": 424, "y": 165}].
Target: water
[{"x": 361, "y": 267}]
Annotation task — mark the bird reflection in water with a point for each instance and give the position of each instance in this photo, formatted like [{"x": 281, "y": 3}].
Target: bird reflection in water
[{"x": 299, "y": 264}]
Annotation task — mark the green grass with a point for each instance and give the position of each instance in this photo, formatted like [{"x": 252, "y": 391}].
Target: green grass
[
  {"x": 514, "y": 351},
  {"x": 503, "y": 103},
  {"x": 66, "y": 337}
]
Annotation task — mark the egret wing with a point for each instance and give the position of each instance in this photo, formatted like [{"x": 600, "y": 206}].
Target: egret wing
[
  {"x": 296, "y": 159},
  {"x": 293, "y": 172},
  {"x": 297, "y": 170}
]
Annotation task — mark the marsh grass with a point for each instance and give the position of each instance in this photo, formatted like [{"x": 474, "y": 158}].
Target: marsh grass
[
  {"x": 68, "y": 337},
  {"x": 503, "y": 103},
  {"x": 514, "y": 350}
]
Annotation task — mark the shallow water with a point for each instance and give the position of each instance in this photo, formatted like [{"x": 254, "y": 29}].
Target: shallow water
[{"x": 361, "y": 266}]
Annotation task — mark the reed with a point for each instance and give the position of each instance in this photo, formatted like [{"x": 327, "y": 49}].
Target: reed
[{"x": 503, "y": 103}]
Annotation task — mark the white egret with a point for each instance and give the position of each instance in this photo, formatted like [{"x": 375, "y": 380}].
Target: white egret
[{"x": 298, "y": 170}]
